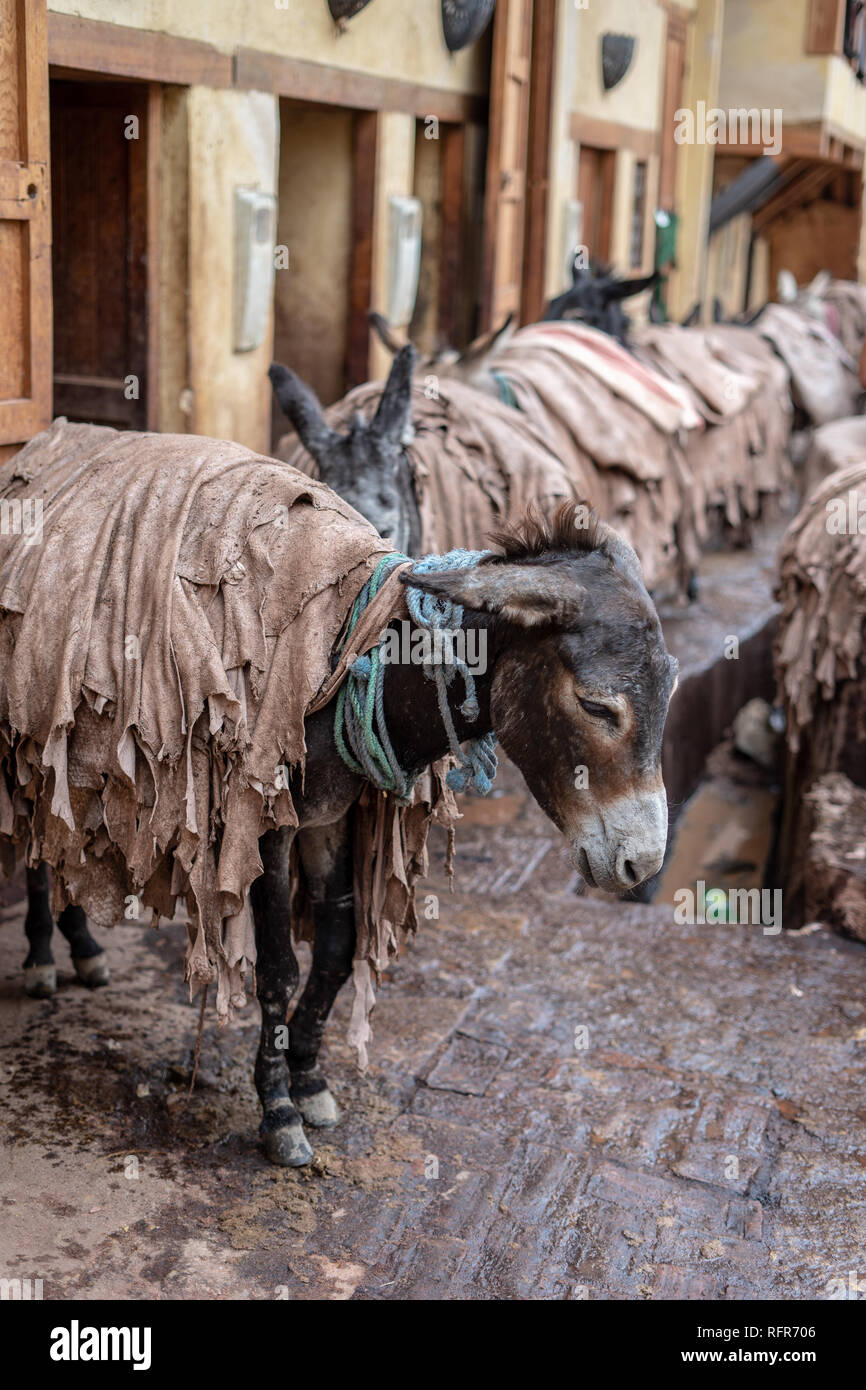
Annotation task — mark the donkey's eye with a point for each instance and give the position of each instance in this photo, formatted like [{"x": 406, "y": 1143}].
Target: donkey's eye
[{"x": 600, "y": 711}]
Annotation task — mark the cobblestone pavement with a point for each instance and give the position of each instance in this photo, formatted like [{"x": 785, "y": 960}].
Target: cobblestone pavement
[{"x": 567, "y": 1098}]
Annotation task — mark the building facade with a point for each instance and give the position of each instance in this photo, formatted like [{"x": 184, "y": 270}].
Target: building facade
[{"x": 188, "y": 190}]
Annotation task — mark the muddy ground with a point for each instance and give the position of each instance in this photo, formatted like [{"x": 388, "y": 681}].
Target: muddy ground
[
  {"x": 707, "y": 1141},
  {"x": 568, "y": 1097}
]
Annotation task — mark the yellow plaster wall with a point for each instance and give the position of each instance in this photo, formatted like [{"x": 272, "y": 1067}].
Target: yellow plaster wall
[
  {"x": 636, "y": 100},
  {"x": 764, "y": 63},
  {"x": 233, "y": 141},
  {"x": 174, "y": 263},
  {"x": 562, "y": 171},
  {"x": 311, "y": 298},
  {"x": 845, "y": 103},
  {"x": 390, "y": 38}
]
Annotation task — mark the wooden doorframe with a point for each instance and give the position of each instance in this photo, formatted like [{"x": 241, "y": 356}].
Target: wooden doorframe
[
  {"x": 25, "y": 197},
  {"x": 676, "y": 34},
  {"x": 145, "y": 176}
]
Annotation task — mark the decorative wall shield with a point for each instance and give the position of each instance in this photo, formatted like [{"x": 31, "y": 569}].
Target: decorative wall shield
[
  {"x": 617, "y": 51},
  {"x": 345, "y": 9},
  {"x": 464, "y": 21}
]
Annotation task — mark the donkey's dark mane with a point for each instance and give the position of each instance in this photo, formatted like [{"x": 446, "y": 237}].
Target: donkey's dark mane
[{"x": 574, "y": 526}]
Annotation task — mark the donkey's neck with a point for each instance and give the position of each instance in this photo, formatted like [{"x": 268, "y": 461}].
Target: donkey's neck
[
  {"x": 415, "y": 725},
  {"x": 411, "y": 541}
]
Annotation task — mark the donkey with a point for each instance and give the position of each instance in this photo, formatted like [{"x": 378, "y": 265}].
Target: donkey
[
  {"x": 595, "y": 298},
  {"x": 369, "y": 469},
  {"x": 40, "y": 971},
  {"x": 577, "y": 674},
  {"x": 368, "y": 466}
]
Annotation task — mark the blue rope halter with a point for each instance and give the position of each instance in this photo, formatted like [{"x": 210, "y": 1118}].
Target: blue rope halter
[{"x": 360, "y": 730}]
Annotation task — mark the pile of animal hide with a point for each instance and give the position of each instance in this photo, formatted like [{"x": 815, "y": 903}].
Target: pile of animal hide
[
  {"x": 834, "y": 446},
  {"x": 821, "y": 667},
  {"x": 740, "y": 390},
  {"x": 607, "y": 414},
  {"x": 844, "y": 304},
  {"x": 823, "y": 374},
  {"x": 822, "y": 590},
  {"x": 163, "y": 633},
  {"x": 835, "y": 877},
  {"x": 478, "y": 463}
]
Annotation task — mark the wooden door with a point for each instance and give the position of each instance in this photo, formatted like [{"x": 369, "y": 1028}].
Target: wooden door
[
  {"x": 506, "y": 161},
  {"x": 99, "y": 162},
  {"x": 365, "y": 136},
  {"x": 672, "y": 101},
  {"x": 25, "y": 224},
  {"x": 595, "y": 186}
]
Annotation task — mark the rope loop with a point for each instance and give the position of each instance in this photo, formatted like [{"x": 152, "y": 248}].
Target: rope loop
[{"x": 360, "y": 731}]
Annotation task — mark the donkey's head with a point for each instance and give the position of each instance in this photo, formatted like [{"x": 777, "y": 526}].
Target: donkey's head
[
  {"x": 580, "y": 685},
  {"x": 367, "y": 466},
  {"x": 595, "y": 298}
]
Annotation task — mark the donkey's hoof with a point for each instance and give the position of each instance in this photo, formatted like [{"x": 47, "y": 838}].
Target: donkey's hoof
[
  {"x": 92, "y": 970},
  {"x": 319, "y": 1110},
  {"x": 288, "y": 1147},
  {"x": 40, "y": 981}
]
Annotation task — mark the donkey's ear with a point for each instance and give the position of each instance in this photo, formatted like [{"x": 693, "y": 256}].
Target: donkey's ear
[
  {"x": 393, "y": 419},
  {"x": 302, "y": 407},
  {"x": 385, "y": 333},
  {"x": 528, "y": 595},
  {"x": 624, "y": 289},
  {"x": 481, "y": 348}
]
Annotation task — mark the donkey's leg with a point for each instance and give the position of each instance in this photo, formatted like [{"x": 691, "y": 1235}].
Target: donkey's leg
[
  {"x": 40, "y": 972},
  {"x": 276, "y": 981},
  {"x": 88, "y": 957},
  {"x": 326, "y": 855}
]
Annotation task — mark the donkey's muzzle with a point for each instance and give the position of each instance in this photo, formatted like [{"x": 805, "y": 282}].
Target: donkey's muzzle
[{"x": 623, "y": 843}]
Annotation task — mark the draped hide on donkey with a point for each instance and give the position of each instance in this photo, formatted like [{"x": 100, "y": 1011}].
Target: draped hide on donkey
[
  {"x": 431, "y": 473},
  {"x": 677, "y": 445},
  {"x": 466, "y": 459},
  {"x": 175, "y": 656},
  {"x": 737, "y": 460}
]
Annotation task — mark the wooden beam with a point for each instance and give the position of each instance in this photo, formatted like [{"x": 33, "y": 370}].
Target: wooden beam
[
  {"x": 118, "y": 50},
  {"x": 799, "y": 191},
  {"x": 818, "y": 141},
  {"x": 361, "y": 91},
  {"x": 91, "y": 46},
  {"x": 613, "y": 135}
]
